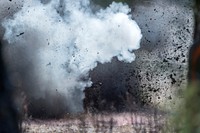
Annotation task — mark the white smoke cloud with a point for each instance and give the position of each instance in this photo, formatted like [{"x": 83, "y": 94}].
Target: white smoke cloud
[{"x": 64, "y": 40}]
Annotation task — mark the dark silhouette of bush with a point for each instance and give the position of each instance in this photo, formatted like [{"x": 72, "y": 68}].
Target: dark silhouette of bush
[{"x": 8, "y": 113}]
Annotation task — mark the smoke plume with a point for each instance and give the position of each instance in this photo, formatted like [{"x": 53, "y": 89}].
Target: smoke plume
[{"x": 53, "y": 45}]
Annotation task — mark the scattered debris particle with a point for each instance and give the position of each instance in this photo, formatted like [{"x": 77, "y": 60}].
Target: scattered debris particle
[
  {"x": 170, "y": 97},
  {"x": 49, "y": 64},
  {"x": 20, "y": 34},
  {"x": 172, "y": 78}
]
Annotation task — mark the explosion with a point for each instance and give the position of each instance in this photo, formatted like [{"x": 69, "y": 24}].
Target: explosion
[{"x": 53, "y": 45}]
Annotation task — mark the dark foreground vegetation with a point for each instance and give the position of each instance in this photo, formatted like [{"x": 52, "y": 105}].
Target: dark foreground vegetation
[{"x": 8, "y": 113}]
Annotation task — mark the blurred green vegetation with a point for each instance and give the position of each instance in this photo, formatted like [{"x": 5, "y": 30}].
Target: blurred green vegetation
[{"x": 186, "y": 119}]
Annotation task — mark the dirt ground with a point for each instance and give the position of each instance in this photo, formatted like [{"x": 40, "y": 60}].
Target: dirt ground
[{"x": 98, "y": 123}]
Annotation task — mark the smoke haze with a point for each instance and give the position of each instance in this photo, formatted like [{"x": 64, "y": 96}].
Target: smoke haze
[{"x": 52, "y": 46}]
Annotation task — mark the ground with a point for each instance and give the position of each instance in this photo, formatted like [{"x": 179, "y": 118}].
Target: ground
[{"x": 99, "y": 123}]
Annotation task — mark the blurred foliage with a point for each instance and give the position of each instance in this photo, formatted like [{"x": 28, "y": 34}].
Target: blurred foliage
[
  {"x": 187, "y": 117},
  {"x": 8, "y": 113}
]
